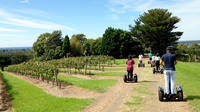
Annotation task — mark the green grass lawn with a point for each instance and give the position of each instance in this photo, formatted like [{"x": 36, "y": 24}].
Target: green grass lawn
[
  {"x": 188, "y": 76},
  {"x": 29, "y": 98},
  {"x": 97, "y": 73},
  {"x": 92, "y": 84}
]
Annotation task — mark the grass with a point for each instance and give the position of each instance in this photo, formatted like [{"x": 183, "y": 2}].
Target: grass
[
  {"x": 97, "y": 73},
  {"x": 92, "y": 84},
  {"x": 123, "y": 61},
  {"x": 29, "y": 98},
  {"x": 188, "y": 76}
]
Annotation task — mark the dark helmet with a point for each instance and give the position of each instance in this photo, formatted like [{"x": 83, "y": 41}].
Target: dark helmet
[
  {"x": 169, "y": 48},
  {"x": 129, "y": 56}
]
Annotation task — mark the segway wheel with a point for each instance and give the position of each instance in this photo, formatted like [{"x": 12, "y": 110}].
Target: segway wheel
[
  {"x": 143, "y": 65},
  {"x": 135, "y": 78},
  {"x": 161, "y": 71},
  {"x": 160, "y": 94},
  {"x": 154, "y": 70},
  {"x": 125, "y": 78},
  {"x": 180, "y": 95},
  {"x": 138, "y": 65}
]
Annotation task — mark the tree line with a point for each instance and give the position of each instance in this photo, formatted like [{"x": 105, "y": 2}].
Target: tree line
[
  {"x": 10, "y": 57},
  {"x": 152, "y": 31}
]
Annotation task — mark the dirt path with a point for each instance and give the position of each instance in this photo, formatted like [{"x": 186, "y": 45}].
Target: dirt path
[
  {"x": 113, "y": 100},
  {"x": 65, "y": 91},
  {"x": 5, "y": 100}
]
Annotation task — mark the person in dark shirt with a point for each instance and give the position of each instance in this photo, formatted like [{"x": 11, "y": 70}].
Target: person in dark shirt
[
  {"x": 129, "y": 67},
  {"x": 169, "y": 60}
]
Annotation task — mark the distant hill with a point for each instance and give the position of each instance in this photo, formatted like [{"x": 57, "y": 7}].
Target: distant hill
[
  {"x": 189, "y": 42},
  {"x": 14, "y": 48}
]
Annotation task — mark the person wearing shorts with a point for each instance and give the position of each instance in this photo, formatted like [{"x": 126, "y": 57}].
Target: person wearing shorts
[
  {"x": 129, "y": 67},
  {"x": 169, "y": 61}
]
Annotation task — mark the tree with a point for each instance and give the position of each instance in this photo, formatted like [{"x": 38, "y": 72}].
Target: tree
[
  {"x": 48, "y": 46},
  {"x": 39, "y": 45},
  {"x": 97, "y": 46},
  {"x": 119, "y": 43},
  {"x": 89, "y": 47},
  {"x": 129, "y": 45},
  {"x": 155, "y": 29},
  {"x": 111, "y": 42},
  {"x": 76, "y": 47},
  {"x": 80, "y": 37},
  {"x": 66, "y": 46},
  {"x": 4, "y": 61}
]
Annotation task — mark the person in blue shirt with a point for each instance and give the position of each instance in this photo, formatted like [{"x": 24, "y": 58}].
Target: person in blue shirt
[
  {"x": 150, "y": 57},
  {"x": 169, "y": 61}
]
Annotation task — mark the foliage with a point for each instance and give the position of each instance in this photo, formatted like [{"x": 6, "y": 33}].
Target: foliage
[
  {"x": 76, "y": 47},
  {"x": 155, "y": 30},
  {"x": 190, "y": 54},
  {"x": 4, "y": 61},
  {"x": 66, "y": 49},
  {"x": 42, "y": 70},
  {"x": 78, "y": 63},
  {"x": 119, "y": 43},
  {"x": 48, "y": 46}
]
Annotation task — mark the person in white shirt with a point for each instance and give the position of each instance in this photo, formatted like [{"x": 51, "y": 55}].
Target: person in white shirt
[
  {"x": 140, "y": 58},
  {"x": 157, "y": 59}
]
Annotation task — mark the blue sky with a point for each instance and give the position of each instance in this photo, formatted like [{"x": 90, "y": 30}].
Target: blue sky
[{"x": 22, "y": 21}]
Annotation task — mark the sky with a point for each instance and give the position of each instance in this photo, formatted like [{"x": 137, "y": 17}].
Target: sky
[{"x": 22, "y": 21}]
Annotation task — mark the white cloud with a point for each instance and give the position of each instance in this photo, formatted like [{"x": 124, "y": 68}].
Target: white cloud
[
  {"x": 24, "y": 1},
  {"x": 11, "y": 19},
  {"x": 10, "y": 30},
  {"x": 33, "y": 12},
  {"x": 187, "y": 10}
]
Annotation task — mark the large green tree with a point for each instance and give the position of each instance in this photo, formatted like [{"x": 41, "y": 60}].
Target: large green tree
[
  {"x": 66, "y": 46},
  {"x": 48, "y": 46},
  {"x": 119, "y": 43},
  {"x": 111, "y": 42},
  {"x": 155, "y": 28}
]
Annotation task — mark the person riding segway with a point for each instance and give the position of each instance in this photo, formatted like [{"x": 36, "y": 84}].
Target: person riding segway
[
  {"x": 169, "y": 61},
  {"x": 157, "y": 68},
  {"x": 129, "y": 76},
  {"x": 150, "y": 58}
]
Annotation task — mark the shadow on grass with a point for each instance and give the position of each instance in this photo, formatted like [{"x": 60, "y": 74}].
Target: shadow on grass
[{"x": 192, "y": 97}]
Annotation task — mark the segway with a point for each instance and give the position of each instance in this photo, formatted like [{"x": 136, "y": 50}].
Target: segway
[
  {"x": 134, "y": 79},
  {"x": 178, "y": 96},
  {"x": 141, "y": 64},
  {"x": 160, "y": 70}
]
